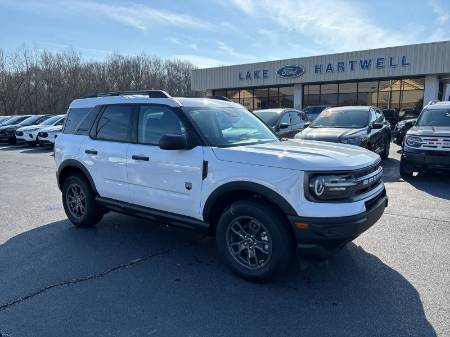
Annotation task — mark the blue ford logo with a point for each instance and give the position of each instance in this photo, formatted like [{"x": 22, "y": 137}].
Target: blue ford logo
[{"x": 291, "y": 71}]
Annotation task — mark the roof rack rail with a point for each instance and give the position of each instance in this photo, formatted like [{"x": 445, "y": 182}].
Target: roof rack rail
[{"x": 149, "y": 93}]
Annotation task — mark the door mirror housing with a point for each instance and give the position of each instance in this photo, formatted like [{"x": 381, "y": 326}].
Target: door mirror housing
[
  {"x": 173, "y": 142},
  {"x": 283, "y": 126},
  {"x": 377, "y": 125}
]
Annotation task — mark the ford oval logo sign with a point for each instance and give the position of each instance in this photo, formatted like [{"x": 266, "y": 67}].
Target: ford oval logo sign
[{"x": 291, "y": 71}]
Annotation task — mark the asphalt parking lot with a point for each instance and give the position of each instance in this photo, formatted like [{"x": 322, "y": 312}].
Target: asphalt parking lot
[{"x": 129, "y": 277}]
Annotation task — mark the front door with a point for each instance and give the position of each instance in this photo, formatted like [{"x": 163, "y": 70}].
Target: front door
[{"x": 168, "y": 180}]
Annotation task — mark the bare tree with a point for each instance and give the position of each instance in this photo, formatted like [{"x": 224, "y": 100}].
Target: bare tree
[{"x": 35, "y": 82}]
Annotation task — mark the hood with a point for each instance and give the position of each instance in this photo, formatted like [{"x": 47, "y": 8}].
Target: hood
[
  {"x": 432, "y": 131},
  {"x": 327, "y": 134},
  {"x": 10, "y": 127},
  {"x": 30, "y": 128},
  {"x": 55, "y": 128},
  {"x": 300, "y": 155}
]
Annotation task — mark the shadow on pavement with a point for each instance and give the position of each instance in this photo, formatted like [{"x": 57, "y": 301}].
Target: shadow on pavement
[
  {"x": 178, "y": 288},
  {"x": 435, "y": 184},
  {"x": 38, "y": 150}
]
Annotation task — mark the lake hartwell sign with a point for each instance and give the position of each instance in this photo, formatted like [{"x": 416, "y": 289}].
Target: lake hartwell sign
[{"x": 292, "y": 71}]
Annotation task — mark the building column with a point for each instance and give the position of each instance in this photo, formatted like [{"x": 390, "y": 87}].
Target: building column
[
  {"x": 298, "y": 96},
  {"x": 446, "y": 96},
  {"x": 431, "y": 89}
]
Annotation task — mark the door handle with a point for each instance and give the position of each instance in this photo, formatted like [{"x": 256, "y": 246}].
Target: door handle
[
  {"x": 136, "y": 157},
  {"x": 90, "y": 151}
]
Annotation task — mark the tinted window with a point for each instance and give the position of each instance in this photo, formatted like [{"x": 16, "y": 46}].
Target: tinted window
[
  {"x": 156, "y": 121},
  {"x": 15, "y": 120},
  {"x": 286, "y": 119},
  {"x": 114, "y": 124},
  {"x": 270, "y": 117},
  {"x": 74, "y": 117},
  {"x": 339, "y": 118},
  {"x": 51, "y": 120},
  {"x": 33, "y": 120},
  {"x": 295, "y": 118}
]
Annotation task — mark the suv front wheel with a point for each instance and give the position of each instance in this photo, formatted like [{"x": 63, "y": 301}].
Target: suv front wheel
[
  {"x": 254, "y": 240},
  {"x": 79, "y": 202}
]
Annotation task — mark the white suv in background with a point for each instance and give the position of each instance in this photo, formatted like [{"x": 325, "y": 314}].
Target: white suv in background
[
  {"x": 211, "y": 165},
  {"x": 29, "y": 134}
]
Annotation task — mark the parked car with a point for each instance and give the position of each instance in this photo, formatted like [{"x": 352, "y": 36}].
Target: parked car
[
  {"x": 47, "y": 136},
  {"x": 363, "y": 126},
  {"x": 29, "y": 134},
  {"x": 400, "y": 130},
  {"x": 313, "y": 111},
  {"x": 284, "y": 122},
  {"x": 427, "y": 144},
  {"x": 190, "y": 162},
  {"x": 10, "y": 130}
]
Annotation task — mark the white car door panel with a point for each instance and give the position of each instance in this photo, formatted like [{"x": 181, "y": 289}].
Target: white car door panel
[{"x": 167, "y": 180}]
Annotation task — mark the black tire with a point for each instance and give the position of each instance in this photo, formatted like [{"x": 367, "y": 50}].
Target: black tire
[
  {"x": 387, "y": 146},
  {"x": 274, "y": 237},
  {"x": 82, "y": 212},
  {"x": 32, "y": 144},
  {"x": 405, "y": 171}
]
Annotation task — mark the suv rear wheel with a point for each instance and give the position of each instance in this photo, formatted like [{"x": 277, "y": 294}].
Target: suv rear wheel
[
  {"x": 405, "y": 171},
  {"x": 254, "y": 241},
  {"x": 79, "y": 202}
]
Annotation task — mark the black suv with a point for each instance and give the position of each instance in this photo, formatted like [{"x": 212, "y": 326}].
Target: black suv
[{"x": 363, "y": 126}]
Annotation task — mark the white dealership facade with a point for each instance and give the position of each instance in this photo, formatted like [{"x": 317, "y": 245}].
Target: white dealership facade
[{"x": 397, "y": 78}]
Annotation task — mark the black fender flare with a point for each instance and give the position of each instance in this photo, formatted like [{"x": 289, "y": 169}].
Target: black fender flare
[
  {"x": 71, "y": 163},
  {"x": 247, "y": 186}
]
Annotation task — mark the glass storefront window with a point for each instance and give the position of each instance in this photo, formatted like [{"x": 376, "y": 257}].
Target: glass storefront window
[
  {"x": 311, "y": 89},
  {"x": 331, "y": 88},
  {"x": 273, "y": 92},
  {"x": 246, "y": 93},
  {"x": 261, "y": 92},
  {"x": 346, "y": 88},
  {"x": 348, "y": 99},
  {"x": 286, "y": 91},
  {"x": 220, "y": 93},
  {"x": 329, "y": 99}
]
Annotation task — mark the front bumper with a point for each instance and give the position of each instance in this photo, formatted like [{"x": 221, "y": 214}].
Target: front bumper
[
  {"x": 318, "y": 238},
  {"x": 423, "y": 160}
]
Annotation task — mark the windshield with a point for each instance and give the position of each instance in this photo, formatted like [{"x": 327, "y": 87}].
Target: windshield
[
  {"x": 51, "y": 120},
  {"x": 225, "y": 127},
  {"x": 33, "y": 120},
  {"x": 338, "y": 118},
  {"x": 434, "y": 117},
  {"x": 15, "y": 120},
  {"x": 270, "y": 117}
]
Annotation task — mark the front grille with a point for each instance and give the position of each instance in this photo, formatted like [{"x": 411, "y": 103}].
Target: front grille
[
  {"x": 436, "y": 143},
  {"x": 372, "y": 202},
  {"x": 43, "y": 134}
]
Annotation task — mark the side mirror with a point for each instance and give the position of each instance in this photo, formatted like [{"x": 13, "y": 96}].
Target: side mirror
[
  {"x": 283, "y": 126},
  {"x": 377, "y": 125},
  {"x": 173, "y": 142}
]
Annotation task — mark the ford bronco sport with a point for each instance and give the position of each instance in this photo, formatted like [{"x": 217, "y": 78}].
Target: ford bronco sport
[{"x": 211, "y": 165}]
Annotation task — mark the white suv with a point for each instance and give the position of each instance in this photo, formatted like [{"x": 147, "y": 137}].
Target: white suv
[{"x": 211, "y": 165}]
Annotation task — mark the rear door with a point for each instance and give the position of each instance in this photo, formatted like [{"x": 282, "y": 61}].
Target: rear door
[
  {"x": 104, "y": 153},
  {"x": 167, "y": 180}
]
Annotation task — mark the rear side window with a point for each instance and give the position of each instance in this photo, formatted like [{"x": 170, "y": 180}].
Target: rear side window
[
  {"x": 114, "y": 124},
  {"x": 74, "y": 117},
  {"x": 295, "y": 118}
]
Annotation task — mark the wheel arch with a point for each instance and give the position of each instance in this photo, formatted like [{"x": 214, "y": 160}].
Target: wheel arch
[
  {"x": 71, "y": 166},
  {"x": 230, "y": 192}
]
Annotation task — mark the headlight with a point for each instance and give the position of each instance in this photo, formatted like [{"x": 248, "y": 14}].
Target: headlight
[
  {"x": 414, "y": 141},
  {"x": 327, "y": 187},
  {"x": 354, "y": 140}
]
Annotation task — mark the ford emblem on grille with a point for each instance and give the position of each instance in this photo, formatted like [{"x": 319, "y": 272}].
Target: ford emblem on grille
[{"x": 291, "y": 71}]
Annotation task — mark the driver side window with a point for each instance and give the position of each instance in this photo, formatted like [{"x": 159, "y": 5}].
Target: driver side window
[{"x": 156, "y": 121}]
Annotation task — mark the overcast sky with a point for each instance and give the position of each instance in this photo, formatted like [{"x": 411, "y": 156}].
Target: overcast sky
[{"x": 220, "y": 32}]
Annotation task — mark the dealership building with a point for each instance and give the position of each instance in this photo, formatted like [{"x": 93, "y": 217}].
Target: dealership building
[{"x": 398, "y": 78}]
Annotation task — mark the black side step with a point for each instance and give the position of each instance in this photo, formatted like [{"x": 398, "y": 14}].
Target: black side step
[{"x": 153, "y": 214}]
